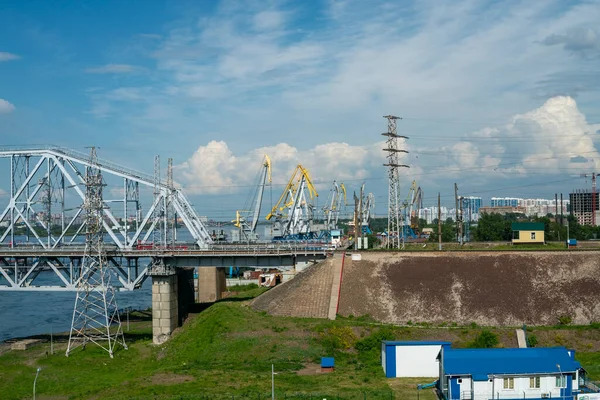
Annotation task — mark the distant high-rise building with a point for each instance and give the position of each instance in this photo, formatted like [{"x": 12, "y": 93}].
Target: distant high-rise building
[
  {"x": 582, "y": 207},
  {"x": 504, "y": 202},
  {"x": 532, "y": 207},
  {"x": 472, "y": 203}
]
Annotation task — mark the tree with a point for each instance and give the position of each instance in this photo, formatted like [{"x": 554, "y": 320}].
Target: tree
[
  {"x": 448, "y": 233},
  {"x": 485, "y": 340},
  {"x": 493, "y": 227}
]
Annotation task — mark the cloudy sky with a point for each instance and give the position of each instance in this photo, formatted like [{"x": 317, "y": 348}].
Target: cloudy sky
[{"x": 501, "y": 97}]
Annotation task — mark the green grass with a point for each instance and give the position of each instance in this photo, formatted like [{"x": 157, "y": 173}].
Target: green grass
[
  {"x": 591, "y": 363},
  {"x": 226, "y": 352}
]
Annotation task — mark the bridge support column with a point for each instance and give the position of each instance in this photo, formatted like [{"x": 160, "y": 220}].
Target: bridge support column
[
  {"x": 211, "y": 283},
  {"x": 164, "y": 307}
]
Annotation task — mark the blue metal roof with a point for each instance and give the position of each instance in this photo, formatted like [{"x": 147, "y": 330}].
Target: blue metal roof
[
  {"x": 414, "y": 343},
  {"x": 327, "y": 362},
  {"x": 480, "y": 363}
]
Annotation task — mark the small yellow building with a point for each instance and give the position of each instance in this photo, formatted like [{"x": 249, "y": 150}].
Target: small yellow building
[{"x": 527, "y": 232}]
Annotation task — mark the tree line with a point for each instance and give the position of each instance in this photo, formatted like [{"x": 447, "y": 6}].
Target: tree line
[{"x": 496, "y": 227}]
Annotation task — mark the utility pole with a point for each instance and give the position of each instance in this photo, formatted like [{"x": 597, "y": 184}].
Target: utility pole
[
  {"x": 561, "y": 210},
  {"x": 456, "y": 211},
  {"x": 439, "y": 223},
  {"x": 394, "y": 226},
  {"x": 460, "y": 227},
  {"x": 556, "y": 213},
  {"x": 359, "y": 217},
  {"x": 356, "y": 222}
]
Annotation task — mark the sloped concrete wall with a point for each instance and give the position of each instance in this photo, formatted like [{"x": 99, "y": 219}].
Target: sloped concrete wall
[
  {"x": 488, "y": 288},
  {"x": 307, "y": 295}
]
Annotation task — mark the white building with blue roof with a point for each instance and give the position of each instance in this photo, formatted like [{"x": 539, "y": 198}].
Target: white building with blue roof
[
  {"x": 410, "y": 359},
  {"x": 521, "y": 373}
]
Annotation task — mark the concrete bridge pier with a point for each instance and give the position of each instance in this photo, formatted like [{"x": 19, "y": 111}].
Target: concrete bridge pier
[
  {"x": 172, "y": 293},
  {"x": 164, "y": 306},
  {"x": 211, "y": 283}
]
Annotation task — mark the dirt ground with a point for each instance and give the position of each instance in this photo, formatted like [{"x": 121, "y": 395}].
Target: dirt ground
[
  {"x": 486, "y": 288},
  {"x": 170, "y": 379}
]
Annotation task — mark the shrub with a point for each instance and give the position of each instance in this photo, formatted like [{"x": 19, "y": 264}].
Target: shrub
[
  {"x": 532, "y": 341},
  {"x": 373, "y": 341},
  {"x": 564, "y": 320},
  {"x": 560, "y": 340},
  {"x": 485, "y": 339},
  {"x": 338, "y": 338}
]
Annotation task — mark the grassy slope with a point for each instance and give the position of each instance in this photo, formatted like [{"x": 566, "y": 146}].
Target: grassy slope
[{"x": 227, "y": 350}]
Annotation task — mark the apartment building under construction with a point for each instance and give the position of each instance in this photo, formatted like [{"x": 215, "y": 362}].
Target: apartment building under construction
[{"x": 585, "y": 207}]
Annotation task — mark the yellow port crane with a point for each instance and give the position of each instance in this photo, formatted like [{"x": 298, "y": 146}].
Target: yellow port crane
[{"x": 293, "y": 211}]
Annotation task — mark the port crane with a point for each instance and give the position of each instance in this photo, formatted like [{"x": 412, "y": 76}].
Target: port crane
[
  {"x": 410, "y": 207},
  {"x": 293, "y": 212},
  {"x": 335, "y": 203},
  {"x": 365, "y": 204},
  {"x": 247, "y": 226}
]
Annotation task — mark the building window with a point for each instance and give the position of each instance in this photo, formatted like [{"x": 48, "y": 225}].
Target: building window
[
  {"x": 532, "y": 235},
  {"x": 561, "y": 381},
  {"x": 509, "y": 383},
  {"x": 534, "y": 382}
]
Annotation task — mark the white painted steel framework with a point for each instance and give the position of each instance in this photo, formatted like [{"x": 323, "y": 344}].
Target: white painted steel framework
[
  {"x": 41, "y": 180},
  {"x": 44, "y": 213},
  {"x": 95, "y": 314},
  {"x": 394, "y": 223}
]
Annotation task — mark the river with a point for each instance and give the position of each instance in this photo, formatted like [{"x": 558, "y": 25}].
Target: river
[{"x": 33, "y": 313}]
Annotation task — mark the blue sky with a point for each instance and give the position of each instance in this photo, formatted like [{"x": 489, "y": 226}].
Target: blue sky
[{"x": 501, "y": 97}]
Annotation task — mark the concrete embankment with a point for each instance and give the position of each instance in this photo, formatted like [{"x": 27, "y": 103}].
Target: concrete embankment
[
  {"x": 485, "y": 287},
  {"x": 309, "y": 294},
  {"x": 488, "y": 288}
]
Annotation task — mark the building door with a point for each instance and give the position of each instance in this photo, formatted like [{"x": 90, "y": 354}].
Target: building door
[
  {"x": 454, "y": 389},
  {"x": 564, "y": 392}
]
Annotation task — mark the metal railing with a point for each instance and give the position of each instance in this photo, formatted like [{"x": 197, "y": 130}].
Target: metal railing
[{"x": 81, "y": 157}]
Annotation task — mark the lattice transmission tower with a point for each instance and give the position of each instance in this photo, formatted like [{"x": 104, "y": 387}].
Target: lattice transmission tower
[
  {"x": 95, "y": 315},
  {"x": 394, "y": 203}
]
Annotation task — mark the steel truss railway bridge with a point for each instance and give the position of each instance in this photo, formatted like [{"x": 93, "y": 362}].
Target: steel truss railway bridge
[{"x": 42, "y": 227}]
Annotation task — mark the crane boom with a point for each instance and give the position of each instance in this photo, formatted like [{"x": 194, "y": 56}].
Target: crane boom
[
  {"x": 293, "y": 210},
  {"x": 266, "y": 173},
  {"x": 248, "y": 228},
  {"x": 286, "y": 198}
]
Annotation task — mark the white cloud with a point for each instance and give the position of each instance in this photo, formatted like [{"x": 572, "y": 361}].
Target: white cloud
[
  {"x": 113, "y": 69},
  {"x": 6, "y": 107},
  {"x": 4, "y": 56},
  {"x": 554, "y": 138},
  {"x": 215, "y": 169}
]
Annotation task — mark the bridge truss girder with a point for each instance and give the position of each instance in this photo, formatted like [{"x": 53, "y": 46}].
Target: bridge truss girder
[
  {"x": 64, "y": 273},
  {"x": 44, "y": 181}
]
